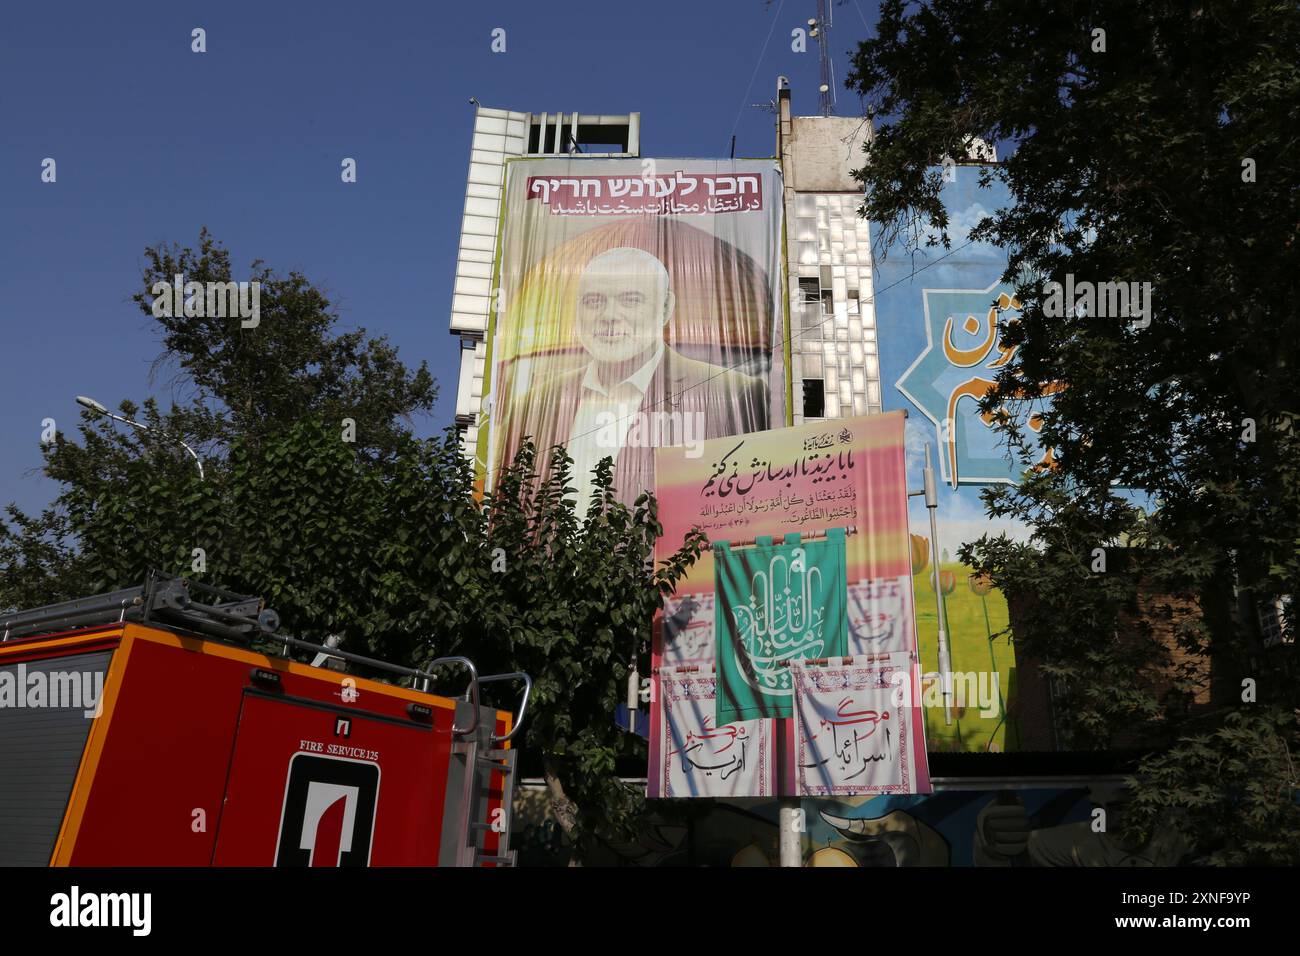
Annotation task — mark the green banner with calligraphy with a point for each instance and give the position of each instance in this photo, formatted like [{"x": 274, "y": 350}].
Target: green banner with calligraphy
[{"x": 776, "y": 603}]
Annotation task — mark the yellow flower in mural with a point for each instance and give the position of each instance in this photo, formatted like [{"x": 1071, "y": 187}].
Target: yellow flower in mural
[{"x": 920, "y": 553}]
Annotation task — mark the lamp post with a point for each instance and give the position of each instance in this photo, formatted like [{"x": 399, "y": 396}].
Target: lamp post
[
  {"x": 99, "y": 409},
  {"x": 929, "y": 490},
  {"x": 945, "y": 660}
]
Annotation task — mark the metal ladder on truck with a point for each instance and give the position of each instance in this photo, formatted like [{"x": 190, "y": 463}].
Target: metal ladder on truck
[{"x": 478, "y": 758}]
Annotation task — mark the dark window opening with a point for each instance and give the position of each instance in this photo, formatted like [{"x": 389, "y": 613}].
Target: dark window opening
[
  {"x": 603, "y": 138},
  {"x": 598, "y": 147},
  {"x": 814, "y": 398},
  {"x": 592, "y": 137}
]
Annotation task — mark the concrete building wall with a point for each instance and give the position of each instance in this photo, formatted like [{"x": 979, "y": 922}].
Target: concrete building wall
[
  {"x": 825, "y": 151},
  {"x": 835, "y": 362}
]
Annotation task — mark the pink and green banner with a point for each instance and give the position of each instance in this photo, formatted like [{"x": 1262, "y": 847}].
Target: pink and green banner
[{"x": 847, "y": 474}]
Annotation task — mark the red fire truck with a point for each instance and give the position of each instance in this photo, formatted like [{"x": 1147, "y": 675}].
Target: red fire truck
[{"x": 142, "y": 728}]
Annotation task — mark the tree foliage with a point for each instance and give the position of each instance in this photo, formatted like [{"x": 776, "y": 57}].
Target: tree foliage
[{"x": 1142, "y": 141}]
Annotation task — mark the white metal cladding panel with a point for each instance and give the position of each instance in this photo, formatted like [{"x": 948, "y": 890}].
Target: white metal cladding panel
[
  {"x": 498, "y": 135},
  {"x": 487, "y": 157},
  {"x": 40, "y": 751},
  {"x": 484, "y": 191},
  {"x": 473, "y": 285},
  {"x": 470, "y": 441},
  {"x": 468, "y": 322},
  {"x": 487, "y": 173},
  {"x": 480, "y": 226},
  {"x": 481, "y": 206},
  {"x": 465, "y": 405},
  {"x": 475, "y": 305},
  {"x": 491, "y": 124}
]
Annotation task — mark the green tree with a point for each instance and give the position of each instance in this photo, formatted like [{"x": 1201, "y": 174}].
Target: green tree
[
  {"x": 228, "y": 383},
  {"x": 295, "y": 362},
  {"x": 1143, "y": 141},
  {"x": 571, "y": 603}
]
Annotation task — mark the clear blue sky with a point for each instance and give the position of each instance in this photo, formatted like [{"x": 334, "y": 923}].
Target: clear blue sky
[{"x": 153, "y": 141}]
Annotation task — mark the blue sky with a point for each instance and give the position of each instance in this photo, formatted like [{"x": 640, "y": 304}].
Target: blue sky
[{"x": 153, "y": 141}]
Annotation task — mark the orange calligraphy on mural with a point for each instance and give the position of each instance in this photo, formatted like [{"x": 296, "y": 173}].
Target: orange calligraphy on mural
[{"x": 977, "y": 387}]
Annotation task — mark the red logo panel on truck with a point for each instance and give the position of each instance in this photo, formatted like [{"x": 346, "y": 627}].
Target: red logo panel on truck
[
  {"x": 301, "y": 793},
  {"x": 328, "y": 816}
]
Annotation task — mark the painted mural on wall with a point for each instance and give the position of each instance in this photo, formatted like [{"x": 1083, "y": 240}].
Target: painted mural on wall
[
  {"x": 938, "y": 313},
  {"x": 1047, "y": 827}
]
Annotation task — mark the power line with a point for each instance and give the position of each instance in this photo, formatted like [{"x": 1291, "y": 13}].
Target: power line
[{"x": 762, "y": 53}]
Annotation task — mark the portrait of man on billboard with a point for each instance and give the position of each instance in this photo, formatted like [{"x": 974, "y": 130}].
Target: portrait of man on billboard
[
  {"x": 647, "y": 349},
  {"x": 636, "y": 392}
]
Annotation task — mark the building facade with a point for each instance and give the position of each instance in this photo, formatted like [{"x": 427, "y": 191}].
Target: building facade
[{"x": 835, "y": 364}]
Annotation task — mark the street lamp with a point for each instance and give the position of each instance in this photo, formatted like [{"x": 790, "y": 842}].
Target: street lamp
[
  {"x": 942, "y": 584},
  {"x": 100, "y": 409}
]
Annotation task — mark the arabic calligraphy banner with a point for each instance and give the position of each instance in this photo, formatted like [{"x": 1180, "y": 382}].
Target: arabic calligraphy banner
[
  {"x": 636, "y": 308},
  {"x": 708, "y": 758},
  {"x": 854, "y": 721},
  {"x": 776, "y": 604},
  {"x": 815, "y": 477}
]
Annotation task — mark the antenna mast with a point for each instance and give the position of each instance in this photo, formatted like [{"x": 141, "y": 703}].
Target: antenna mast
[{"x": 821, "y": 30}]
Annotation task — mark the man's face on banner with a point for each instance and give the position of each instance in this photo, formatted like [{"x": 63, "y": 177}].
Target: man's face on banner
[{"x": 621, "y": 310}]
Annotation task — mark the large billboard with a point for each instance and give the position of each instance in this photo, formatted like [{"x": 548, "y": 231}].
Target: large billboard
[
  {"x": 810, "y": 638},
  {"x": 638, "y": 306},
  {"x": 939, "y": 312}
]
